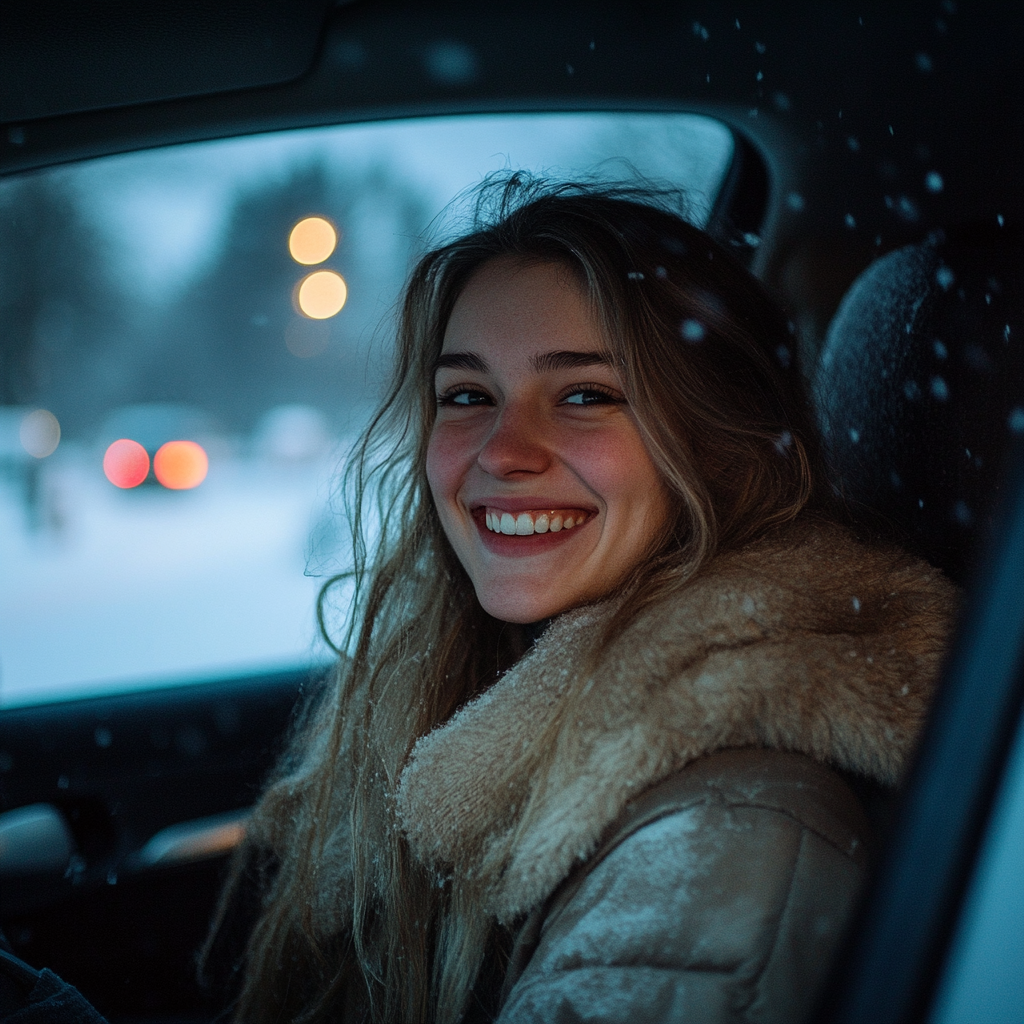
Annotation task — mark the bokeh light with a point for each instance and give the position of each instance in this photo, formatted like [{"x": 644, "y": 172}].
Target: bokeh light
[
  {"x": 322, "y": 294},
  {"x": 126, "y": 463},
  {"x": 39, "y": 433},
  {"x": 180, "y": 465},
  {"x": 312, "y": 240}
]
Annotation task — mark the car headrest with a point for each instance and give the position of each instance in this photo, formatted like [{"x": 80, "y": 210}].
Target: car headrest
[{"x": 920, "y": 388}]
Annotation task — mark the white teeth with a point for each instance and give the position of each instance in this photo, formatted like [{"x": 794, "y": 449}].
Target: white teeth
[{"x": 524, "y": 524}]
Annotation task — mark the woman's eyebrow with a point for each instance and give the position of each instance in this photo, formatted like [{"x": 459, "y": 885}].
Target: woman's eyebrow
[
  {"x": 568, "y": 360},
  {"x": 459, "y": 361}
]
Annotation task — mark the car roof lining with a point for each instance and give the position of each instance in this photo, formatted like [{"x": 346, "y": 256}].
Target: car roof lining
[{"x": 829, "y": 74}]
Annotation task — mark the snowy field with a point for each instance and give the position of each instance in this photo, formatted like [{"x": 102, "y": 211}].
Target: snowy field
[{"x": 112, "y": 589}]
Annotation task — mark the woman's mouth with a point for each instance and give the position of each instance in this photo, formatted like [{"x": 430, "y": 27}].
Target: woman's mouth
[
  {"x": 530, "y": 531},
  {"x": 525, "y": 524}
]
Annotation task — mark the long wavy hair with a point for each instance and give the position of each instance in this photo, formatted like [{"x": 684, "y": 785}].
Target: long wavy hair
[{"x": 348, "y": 924}]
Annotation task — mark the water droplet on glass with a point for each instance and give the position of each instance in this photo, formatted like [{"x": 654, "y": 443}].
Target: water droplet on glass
[
  {"x": 963, "y": 514},
  {"x": 783, "y": 442},
  {"x": 907, "y": 209},
  {"x": 692, "y": 331}
]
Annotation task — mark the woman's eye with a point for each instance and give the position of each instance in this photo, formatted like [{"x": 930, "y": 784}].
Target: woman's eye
[
  {"x": 464, "y": 396},
  {"x": 591, "y": 396}
]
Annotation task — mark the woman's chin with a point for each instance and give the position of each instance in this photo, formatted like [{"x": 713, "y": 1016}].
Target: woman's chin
[{"x": 522, "y": 609}]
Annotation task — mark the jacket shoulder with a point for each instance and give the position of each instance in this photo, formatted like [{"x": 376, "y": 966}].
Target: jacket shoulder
[{"x": 716, "y": 896}]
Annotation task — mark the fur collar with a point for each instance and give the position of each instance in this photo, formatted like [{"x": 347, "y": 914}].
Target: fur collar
[{"x": 806, "y": 641}]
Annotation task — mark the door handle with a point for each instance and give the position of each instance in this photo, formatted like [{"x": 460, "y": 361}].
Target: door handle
[{"x": 33, "y": 840}]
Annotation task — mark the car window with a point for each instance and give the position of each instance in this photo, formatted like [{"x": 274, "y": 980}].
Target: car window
[
  {"x": 192, "y": 338},
  {"x": 983, "y": 979}
]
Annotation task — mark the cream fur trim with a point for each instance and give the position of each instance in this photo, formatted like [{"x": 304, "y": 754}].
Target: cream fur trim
[{"x": 805, "y": 641}]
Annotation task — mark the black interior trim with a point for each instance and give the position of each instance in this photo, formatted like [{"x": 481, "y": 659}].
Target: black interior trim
[
  {"x": 742, "y": 203},
  {"x": 121, "y": 768},
  {"x": 121, "y": 52}
]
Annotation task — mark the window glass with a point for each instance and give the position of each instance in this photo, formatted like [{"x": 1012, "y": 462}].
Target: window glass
[
  {"x": 983, "y": 980},
  {"x": 190, "y": 339}
]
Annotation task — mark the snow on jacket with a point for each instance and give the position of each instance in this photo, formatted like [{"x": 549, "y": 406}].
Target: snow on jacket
[{"x": 653, "y": 881}]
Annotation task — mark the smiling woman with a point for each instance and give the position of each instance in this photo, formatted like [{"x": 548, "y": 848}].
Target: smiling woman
[
  {"x": 615, "y": 661},
  {"x": 540, "y": 476}
]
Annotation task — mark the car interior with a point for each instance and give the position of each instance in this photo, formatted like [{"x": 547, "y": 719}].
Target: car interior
[{"x": 863, "y": 159}]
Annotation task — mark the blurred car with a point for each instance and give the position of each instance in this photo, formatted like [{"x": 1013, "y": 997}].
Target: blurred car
[{"x": 864, "y": 160}]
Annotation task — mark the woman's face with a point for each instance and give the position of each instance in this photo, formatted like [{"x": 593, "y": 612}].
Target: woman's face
[{"x": 542, "y": 482}]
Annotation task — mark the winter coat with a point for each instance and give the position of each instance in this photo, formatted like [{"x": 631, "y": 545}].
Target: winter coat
[{"x": 693, "y": 850}]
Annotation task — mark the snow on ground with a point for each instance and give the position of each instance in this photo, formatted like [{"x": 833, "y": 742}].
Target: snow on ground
[{"x": 117, "y": 590}]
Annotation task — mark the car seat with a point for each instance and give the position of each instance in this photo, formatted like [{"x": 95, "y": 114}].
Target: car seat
[{"x": 920, "y": 389}]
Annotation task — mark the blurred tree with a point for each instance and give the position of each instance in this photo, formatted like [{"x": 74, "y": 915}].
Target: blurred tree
[
  {"x": 56, "y": 298},
  {"x": 235, "y": 344}
]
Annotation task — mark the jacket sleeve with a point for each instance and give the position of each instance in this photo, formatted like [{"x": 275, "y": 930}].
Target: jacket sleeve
[{"x": 710, "y": 914}]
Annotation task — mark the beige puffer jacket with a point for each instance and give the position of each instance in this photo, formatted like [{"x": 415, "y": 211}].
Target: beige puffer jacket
[
  {"x": 689, "y": 855},
  {"x": 720, "y": 895}
]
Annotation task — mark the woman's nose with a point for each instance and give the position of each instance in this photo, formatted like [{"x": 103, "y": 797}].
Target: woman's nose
[{"x": 517, "y": 444}]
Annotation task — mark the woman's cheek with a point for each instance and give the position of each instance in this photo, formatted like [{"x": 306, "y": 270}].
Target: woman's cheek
[{"x": 448, "y": 458}]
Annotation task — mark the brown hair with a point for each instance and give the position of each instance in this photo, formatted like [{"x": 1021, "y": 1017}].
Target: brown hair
[{"x": 350, "y": 924}]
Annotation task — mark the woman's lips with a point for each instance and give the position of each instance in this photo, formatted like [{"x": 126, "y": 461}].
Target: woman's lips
[{"x": 527, "y": 531}]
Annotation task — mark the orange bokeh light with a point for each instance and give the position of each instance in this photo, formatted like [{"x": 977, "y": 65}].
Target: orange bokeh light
[
  {"x": 180, "y": 465},
  {"x": 312, "y": 240},
  {"x": 322, "y": 294},
  {"x": 126, "y": 463}
]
